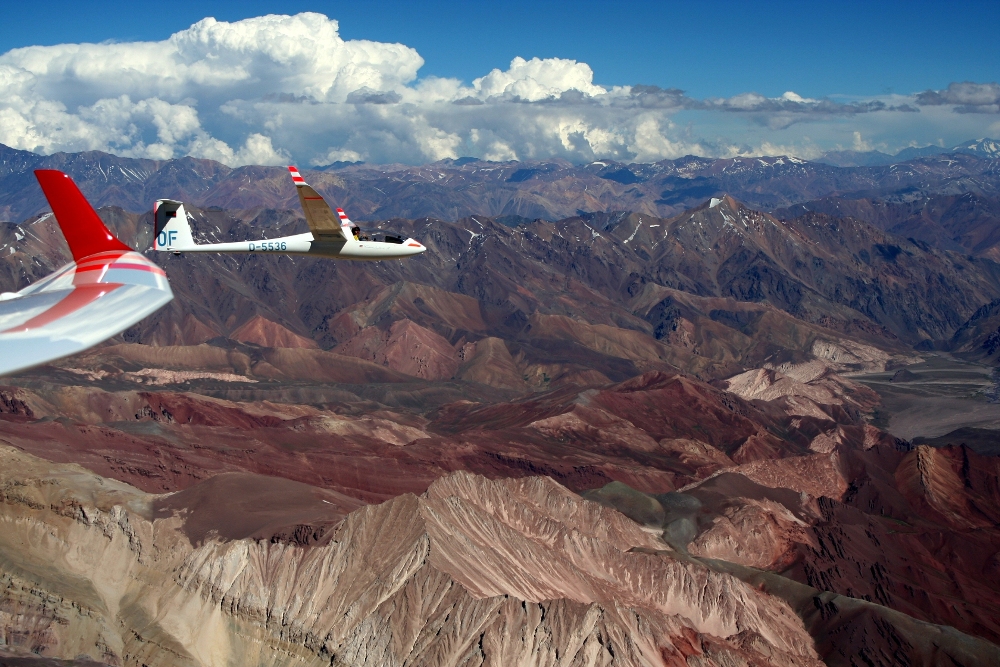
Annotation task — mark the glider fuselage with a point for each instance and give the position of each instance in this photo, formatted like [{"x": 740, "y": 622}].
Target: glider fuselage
[
  {"x": 306, "y": 244},
  {"x": 330, "y": 234}
]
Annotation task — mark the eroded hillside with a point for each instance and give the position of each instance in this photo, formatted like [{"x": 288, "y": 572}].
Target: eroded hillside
[
  {"x": 611, "y": 439},
  {"x": 471, "y": 572}
]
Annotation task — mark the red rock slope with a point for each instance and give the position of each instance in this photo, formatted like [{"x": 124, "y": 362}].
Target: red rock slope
[{"x": 473, "y": 572}]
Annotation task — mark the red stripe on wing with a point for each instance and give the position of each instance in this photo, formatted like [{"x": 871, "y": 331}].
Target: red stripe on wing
[
  {"x": 110, "y": 260},
  {"x": 82, "y": 295}
]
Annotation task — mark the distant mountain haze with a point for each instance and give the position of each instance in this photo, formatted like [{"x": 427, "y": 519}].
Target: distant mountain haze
[
  {"x": 985, "y": 148},
  {"x": 453, "y": 189}
]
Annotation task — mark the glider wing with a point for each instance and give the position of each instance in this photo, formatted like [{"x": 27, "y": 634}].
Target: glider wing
[
  {"x": 105, "y": 289},
  {"x": 324, "y": 225}
]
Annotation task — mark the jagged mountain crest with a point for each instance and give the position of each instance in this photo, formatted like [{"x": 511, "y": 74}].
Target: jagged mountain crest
[
  {"x": 984, "y": 148},
  {"x": 815, "y": 267},
  {"x": 989, "y": 148},
  {"x": 450, "y": 190}
]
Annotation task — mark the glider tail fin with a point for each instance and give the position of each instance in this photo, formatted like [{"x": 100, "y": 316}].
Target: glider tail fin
[
  {"x": 322, "y": 223},
  {"x": 84, "y": 231},
  {"x": 171, "y": 231}
]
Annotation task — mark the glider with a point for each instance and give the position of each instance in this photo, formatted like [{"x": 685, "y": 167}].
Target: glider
[
  {"x": 107, "y": 288},
  {"x": 329, "y": 236}
]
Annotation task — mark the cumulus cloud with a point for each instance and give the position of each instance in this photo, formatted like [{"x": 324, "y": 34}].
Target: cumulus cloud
[
  {"x": 169, "y": 98},
  {"x": 271, "y": 89},
  {"x": 791, "y": 102},
  {"x": 860, "y": 144},
  {"x": 537, "y": 79},
  {"x": 967, "y": 97}
]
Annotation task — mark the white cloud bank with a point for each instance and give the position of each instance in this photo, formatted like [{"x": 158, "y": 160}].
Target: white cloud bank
[{"x": 273, "y": 89}]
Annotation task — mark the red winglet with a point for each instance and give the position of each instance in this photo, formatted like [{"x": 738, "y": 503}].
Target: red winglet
[{"x": 84, "y": 231}]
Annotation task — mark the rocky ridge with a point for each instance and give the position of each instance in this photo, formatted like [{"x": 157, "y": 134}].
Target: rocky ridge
[
  {"x": 471, "y": 572},
  {"x": 774, "y": 469},
  {"x": 714, "y": 291},
  {"x": 454, "y": 189}
]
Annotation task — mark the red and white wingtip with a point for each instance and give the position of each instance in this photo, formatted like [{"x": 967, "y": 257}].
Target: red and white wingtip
[
  {"x": 84, "y": 230},
  {"x": 344, "y": 220},
  {"x": 296, "y": 176}
]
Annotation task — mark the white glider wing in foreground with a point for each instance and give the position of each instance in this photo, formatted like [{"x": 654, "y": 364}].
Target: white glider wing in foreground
[
  {"x": 105, "y": 289},
  {"x": 329, "y": 235}
]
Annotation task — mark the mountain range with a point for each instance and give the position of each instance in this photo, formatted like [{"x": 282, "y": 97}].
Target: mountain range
[
  {"x": 966, "y": 223},
  {"x": 613, "y": 415},
  {"x": 514, "y": 191},
  {"x": 690, "y": 291},
  {"x": 986, "y": 148}
]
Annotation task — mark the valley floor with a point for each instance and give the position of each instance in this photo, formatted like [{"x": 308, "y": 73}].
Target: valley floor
[{"x": 935, "y": 397}]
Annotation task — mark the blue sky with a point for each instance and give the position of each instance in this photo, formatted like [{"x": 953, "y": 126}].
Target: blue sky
[
  {"x": 706, "y": 48},
  {"x": 841, "y": 52}
]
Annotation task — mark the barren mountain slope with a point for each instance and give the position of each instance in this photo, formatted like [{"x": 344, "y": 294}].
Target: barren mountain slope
[
  {"x": 473, "y": 572},
  {"x": 862, "y": 514},
  {"x": 825, "y": 499},
  {"x": 967, "y": 222},
  {"x": 979, "y": 337},
  {"x": 714, "y": 291},
  {"x": 160, "y": 439}
]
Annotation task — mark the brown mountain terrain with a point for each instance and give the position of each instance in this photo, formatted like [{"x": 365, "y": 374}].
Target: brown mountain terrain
[
  {"x": 979, "y": 337},
  {"x": 779, "y": 530},
  {"x": 714, "y": 290},
  {"x": 968, "y": 223},
  {"x": 615, "y": 438},
  {"x": 471, "y": 572}
]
